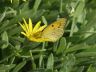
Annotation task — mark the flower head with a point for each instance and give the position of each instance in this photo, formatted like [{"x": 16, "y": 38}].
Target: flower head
[{"x": 33, "y": 33}]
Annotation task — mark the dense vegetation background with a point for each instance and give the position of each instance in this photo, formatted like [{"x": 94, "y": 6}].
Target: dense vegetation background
[{"x": 74, "y": 52}]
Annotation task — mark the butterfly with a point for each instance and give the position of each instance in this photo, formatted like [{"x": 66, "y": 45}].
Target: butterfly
[{"x": 54, "y": 31}]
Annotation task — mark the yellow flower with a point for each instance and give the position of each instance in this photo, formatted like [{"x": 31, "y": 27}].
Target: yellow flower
[{"x": 33, "y": 34}]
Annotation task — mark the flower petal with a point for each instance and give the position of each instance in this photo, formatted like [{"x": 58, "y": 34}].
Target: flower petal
[
  {"x": 24, "y": 34},
  {"x": 36, "y": 26},
  {"x": 41, "y": 28},
  {"x": 23, "y": 26},
  {"x": 30, "y": 26},
  {"x": 26, "y": 25},
  {"x": 33, "y": 34}
]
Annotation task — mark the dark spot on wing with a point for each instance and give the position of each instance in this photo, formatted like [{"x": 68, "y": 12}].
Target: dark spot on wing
[
  {"x": 52, "y": 25},
  {"x": 59, "y": 25}
]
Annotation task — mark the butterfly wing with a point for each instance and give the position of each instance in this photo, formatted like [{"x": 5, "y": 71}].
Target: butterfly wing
[{"x": 55, "y": 30}]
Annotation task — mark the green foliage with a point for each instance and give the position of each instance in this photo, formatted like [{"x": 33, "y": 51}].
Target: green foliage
[{"x": 74, "y": 52}]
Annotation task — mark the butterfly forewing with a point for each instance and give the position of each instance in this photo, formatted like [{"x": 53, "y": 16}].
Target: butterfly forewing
[{"x": 55, "y": 30}]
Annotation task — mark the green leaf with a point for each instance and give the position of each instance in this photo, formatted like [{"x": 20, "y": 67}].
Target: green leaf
[
  {"x": 61, "y": 46},
  {"x": 44, "y": 20},
  {"x": 19, "y": 66},
  {"x": 6, "y": 67},
  {"x": 76, "y": 47},
  {"x": 5, "y": 39},
  {"x": 2, "y": 16},
  {"x": 91, "y": 69},
  {"x": 79, "y": 8},
  {"x": 68, "y": 63},
  {"x": 36, "y": 5},
  {"x": 50, "y": 62},
  {"x": 40, "y": 60},
  {"x": 86, "y": 54}
]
